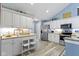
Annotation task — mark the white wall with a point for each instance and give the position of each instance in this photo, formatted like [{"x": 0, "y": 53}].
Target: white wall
[{"x": 38, "y": 30}]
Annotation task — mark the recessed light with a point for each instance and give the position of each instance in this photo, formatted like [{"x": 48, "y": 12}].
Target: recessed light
[
  {"x": 47, "y": 11},
  {"x": 35, "y": 19},
  {"x": 31, "y": 3}
]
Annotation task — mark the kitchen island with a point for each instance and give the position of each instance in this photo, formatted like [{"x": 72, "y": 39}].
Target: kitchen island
[
  {"x": 71, "y": 46},
  {"x": 15, "y": 45}
]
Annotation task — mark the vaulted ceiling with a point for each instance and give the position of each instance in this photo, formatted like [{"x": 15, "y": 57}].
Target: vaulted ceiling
[{"x": 42, "y": 11}]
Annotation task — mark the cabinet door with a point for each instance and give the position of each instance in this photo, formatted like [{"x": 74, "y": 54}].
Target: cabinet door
[
  {"x": 55, "y": 24},
  {"x": 75, "y": 22},
  {"x": 56, "y": 38},
  {"x": 6, "y": 47},
  {"x": 16, "y": 20},
  {"x": 51, "y": 37},
  {"x": 26, "y": 22},
  {"x": 30, "y": 23},
  {"x": 17, "y": 46},
  {"x": 6, "y": 20},
  {"x": 23, "y": 21}
]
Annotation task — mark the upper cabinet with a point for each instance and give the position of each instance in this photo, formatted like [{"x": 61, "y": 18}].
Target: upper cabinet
[
  {"x": 19, "y": 21},
  {"x": 55, "y": 25},
  {"x": 6, "y": 19},
  {"x": 26, "y": 22},
  {"x": 16, "y": 20},
  {"x": 23, "y": 21},
  {"x": 73, "y": 20},
  {"x": 10, "y": 18},
  {"x": 30, "y": 23}
]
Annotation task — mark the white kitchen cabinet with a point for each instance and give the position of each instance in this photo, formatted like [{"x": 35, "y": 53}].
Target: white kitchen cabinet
[
  {"x": 53, "y": 37},
  {"x": 7, "y": 47},
  {"x": 17, "y": 46},
  {"x": 30, "y": 23},
  {"x": 10, "y": 18},
  {"x": 6, "y": 19},
  {"x": 54, "y": 24},
  {"x": 23, "y": 21},
  {"x": 16, "y": 20},
  {"x": 75, "y": 22},
  {"x": 14, "y": 46},
  {"x": 20, "y": 21},
  {"x": 10, "y": 47},
  {"x": 56, "y": 38},
  {"x": 28, "y": 43}
]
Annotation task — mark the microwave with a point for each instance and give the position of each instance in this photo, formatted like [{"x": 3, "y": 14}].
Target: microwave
[{"x": 66, "y": 26}]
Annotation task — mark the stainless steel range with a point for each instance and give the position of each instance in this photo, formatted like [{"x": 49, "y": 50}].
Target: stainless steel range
[{"x": 67, "y": 31}]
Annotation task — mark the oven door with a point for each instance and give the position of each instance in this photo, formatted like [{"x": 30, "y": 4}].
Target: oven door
[{"x": 62, "y": 41}]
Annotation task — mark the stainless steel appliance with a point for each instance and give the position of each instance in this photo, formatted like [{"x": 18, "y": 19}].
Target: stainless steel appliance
[
  {"x": 44, "y": 32},
  {"x": 67, "y": 31}
]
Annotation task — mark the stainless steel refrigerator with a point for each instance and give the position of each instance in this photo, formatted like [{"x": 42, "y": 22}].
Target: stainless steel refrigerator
[{"x": 44, "y": 32}]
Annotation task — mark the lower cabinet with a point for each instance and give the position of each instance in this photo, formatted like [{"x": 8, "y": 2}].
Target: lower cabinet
[
  {"x": 53, "y": 37},
  {"x": 17, "y": 46},
  {"x": 56, "y": 38},
  {"x": 28, "y": 43},
  {"x": 7, "y": 47},
  {"x": 12, "y": 47}
]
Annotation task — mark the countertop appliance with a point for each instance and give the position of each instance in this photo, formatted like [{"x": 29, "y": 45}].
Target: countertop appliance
[
  {"x": 44, "y": 32},
  {"x": 67, "y": 31}
]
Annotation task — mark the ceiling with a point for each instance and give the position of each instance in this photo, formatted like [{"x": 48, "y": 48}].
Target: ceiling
[{"x": 42, "y": 11}]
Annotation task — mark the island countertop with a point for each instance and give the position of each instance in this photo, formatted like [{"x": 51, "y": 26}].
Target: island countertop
[
  {"x": 19, "y": 36},
  {"x": 72, "y": 38}
]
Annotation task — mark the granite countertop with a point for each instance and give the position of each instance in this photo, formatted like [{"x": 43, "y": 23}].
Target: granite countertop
[
  {"x": 72, "y": 38},
  {"x": 19, "y": 36}
]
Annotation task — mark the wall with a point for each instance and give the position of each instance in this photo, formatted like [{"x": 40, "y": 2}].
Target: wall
[{"x": 70, "y": 8}]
